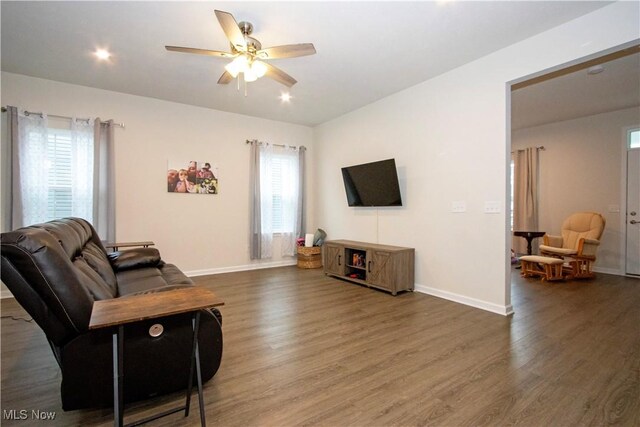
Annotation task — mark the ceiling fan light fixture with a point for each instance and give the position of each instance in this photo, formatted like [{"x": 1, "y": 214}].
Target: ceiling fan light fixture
[
  {"x": 250, "y": 75},
  {"x": 237, "y": 66},
  {"x": 258, "y": 68}
]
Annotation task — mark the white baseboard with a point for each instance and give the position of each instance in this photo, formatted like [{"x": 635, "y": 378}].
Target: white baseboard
[
  {"x": 245, "y": 267},
  {"x": 257, "y": 266},
  {"x": 504, "y": 310},
  {"x": 613, "y": 271}
]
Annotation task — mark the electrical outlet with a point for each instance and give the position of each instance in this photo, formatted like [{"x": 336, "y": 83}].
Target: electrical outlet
[
  {"x": 492, "y": 207},
  {"x": 459, "y": 206}
]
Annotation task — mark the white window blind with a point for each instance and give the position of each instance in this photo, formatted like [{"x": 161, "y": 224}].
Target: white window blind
[
  {"x": 59, "y": 174},
  {"x": 276, "y": 194},
  {"x": 284, "y": 191}
]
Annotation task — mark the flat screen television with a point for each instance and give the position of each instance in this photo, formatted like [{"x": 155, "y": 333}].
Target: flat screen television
[{"x": 372, "y": 184}]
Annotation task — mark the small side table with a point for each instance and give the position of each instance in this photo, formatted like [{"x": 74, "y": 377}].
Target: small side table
[
  {"x": 529, "y": 235},
  {"x": 117, "y": 312},
  {"x": 115, "y": 246}
]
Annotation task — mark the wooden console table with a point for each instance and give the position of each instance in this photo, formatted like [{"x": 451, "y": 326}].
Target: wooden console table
[
  {"x": 117, "y": 312},
  {"x": 385, "y": 267}
]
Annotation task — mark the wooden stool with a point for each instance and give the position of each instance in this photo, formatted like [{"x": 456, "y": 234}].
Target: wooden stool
[{"x": 549, "y": 268}]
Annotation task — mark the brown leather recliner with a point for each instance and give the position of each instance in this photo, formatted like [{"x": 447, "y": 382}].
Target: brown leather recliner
[{"x": 56, "y": 271}]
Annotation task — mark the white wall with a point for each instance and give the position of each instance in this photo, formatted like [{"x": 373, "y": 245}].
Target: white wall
[
  {"x": 199, "y": 233},
  {"x": 581, "y": 169},
  {"x": 449, "y": 136}
]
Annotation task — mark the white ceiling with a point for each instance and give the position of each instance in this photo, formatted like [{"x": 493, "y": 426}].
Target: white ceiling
[
  {"x": 365, "y": 50},
  {"x": 578, "y": 94}
]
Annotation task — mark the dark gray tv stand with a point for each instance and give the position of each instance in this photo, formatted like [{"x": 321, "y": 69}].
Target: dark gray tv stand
[{"x": 389, "y": 268}]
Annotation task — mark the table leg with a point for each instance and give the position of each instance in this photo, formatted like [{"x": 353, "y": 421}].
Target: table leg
[
  {"x": 195, "y": 363},
  {"x": 199, "y": 373},
  {"x": 529, "y": 239},
  {"x": 118, "y": 378},
  {"x": 118, "y": 373}
]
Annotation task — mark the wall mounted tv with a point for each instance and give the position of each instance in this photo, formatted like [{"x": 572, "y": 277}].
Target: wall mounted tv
[{"x": 372, "y": 184}]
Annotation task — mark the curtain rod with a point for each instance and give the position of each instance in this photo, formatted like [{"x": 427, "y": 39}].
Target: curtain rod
[
  {"x": 4, "y": 109},
  {"x": 541, "y": 148},
  {"x": 251, "y": 141}
]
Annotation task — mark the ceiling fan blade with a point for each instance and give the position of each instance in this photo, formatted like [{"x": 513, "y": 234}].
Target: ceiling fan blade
[
  {"x": 287, "y": 51},
  {"x": 225, "y": 78},
  {"x": 200, "y": 51},
  {"x": 280, "y": 76},
  {"x": 231, "y": 30}
]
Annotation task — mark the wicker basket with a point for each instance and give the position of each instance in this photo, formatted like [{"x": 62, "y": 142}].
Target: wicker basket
[{"x": 309, "y": 257}]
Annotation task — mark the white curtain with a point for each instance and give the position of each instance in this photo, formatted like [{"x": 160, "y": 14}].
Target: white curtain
[
  {"x": 261, "y": 203},
  {"x": 82, "y": 169},
  {"x": 266, "y": 200},
  {"x": 30, "y": 170},
  {"x": 290, "y": 179},
  {"x": 301, "y": 225},
  {"x": 104, "y": 198},
  {"x": 525, "y": 196}
]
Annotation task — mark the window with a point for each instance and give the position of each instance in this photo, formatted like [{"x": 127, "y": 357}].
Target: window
[
  {"x": 276, "y": 181},
  {"x": 282, "y": 167},
  {"x": 512, "y": 191},
  {"x": 633, "y": 138},
  {"x": 56, "y": 173}
]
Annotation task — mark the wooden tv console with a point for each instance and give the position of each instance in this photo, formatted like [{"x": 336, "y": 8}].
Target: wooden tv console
[{"x": 385, "y": 267}]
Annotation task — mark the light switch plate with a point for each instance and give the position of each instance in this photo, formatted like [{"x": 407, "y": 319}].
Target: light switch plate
[
  {"x": 458, "y": 206},
  {"x": 492, "y": 207}
]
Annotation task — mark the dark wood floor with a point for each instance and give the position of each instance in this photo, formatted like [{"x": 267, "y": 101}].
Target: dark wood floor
[{"x": 302, "y": 349}]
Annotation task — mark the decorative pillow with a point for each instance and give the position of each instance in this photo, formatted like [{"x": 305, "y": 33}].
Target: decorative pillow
[{"x": 134, "y": 258}]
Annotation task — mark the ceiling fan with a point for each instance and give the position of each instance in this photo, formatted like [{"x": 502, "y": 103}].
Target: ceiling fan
[{"x": 248, "y": 54}]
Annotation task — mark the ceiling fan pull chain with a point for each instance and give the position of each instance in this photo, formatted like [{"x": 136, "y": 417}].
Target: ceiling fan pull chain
[{"x": 245, "y": 86}]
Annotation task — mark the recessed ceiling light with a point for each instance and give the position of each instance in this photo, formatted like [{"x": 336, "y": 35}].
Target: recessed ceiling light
[
  {"x": 102, "y": 54},
  {"x": 596, "y": 69},
  {"x": 285, "y": 97}
]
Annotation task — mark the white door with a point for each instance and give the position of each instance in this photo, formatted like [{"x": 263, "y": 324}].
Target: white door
[{"x": 633, "y": 212}]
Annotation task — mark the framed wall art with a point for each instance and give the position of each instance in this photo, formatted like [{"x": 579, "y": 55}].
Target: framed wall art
[{"x": 194, "y": 177}]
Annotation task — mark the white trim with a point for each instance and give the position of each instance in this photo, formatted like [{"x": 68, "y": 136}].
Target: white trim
[
  {"x": 504, "y": 310},
  {"x": 508, "y": 234},
  {"x": 605, "y": 270},
  {"x": 194, "y": 273},
  {"x": 246, "y": 267},
  {"x": 622, "y": 215}
]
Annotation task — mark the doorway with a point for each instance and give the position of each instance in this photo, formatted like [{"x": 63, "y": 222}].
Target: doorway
[{"x": 588, "y": 180}]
